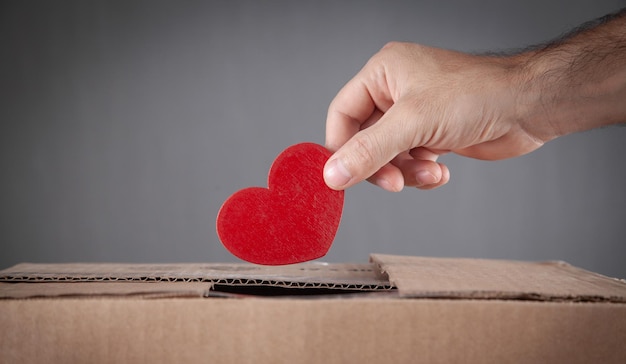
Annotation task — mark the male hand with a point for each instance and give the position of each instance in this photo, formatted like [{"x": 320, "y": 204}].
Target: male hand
[{"x": 412, "y": 103}]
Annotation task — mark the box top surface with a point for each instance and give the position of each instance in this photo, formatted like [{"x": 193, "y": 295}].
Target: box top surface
[{"x": 408, "y": 277}]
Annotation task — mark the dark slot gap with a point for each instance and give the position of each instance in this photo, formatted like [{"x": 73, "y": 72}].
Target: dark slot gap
[{"x": 270, "y": 291}]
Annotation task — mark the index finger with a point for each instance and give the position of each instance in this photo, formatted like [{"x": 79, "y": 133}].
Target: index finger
[{"x": 354, "y": 104}]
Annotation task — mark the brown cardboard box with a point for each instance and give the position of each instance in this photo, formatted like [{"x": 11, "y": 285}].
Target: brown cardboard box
[{"x": 392, "y": 310}]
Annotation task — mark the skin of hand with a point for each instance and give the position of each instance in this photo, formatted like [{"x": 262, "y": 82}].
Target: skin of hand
[{"x": 412, "y": 103}]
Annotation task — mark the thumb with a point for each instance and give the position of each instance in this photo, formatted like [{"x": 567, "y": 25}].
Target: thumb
[{"x": 368, "y": 150}]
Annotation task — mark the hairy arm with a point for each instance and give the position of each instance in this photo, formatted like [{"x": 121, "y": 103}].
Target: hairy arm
[{"x": 577, "y": 82}]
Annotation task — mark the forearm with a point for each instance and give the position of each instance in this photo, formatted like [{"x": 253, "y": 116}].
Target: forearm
[{"x": 576, "y": 83}]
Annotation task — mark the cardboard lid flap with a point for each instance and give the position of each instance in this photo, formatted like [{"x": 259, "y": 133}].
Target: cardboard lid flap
[
  {"x": 497, "y": 279},
  {"x": 105, "y": 289}
]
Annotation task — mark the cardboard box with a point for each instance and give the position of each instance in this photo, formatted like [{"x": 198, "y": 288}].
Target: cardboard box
[{"x": 392, "y": 310}]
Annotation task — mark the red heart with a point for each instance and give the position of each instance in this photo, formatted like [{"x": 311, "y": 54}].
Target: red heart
[{"x": 292, "y": 221}]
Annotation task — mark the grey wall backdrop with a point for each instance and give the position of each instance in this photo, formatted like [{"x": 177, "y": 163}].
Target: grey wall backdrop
[{"x": 125, "y": 125}]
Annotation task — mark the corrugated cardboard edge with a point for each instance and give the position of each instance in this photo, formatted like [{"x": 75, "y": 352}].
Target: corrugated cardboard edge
[
  {"x": 181, "y": 280},
  {"x": 422, "y": 277}
]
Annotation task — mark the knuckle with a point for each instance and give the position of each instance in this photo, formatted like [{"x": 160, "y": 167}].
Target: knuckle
[
  {"x": 395, "y": 45},
  {"x": 364, "y": 144},
  {"x": 391, "y": 45},
  {"x": 365, "y": 151},
  {"x": 390, "y": 51}
]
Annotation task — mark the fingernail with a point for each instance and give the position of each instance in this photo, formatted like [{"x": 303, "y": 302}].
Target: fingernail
[
  {"x": 336, "y": 174},
  {"x": 425, "y": 178}
]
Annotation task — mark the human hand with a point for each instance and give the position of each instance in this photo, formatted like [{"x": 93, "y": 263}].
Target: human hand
[{"x": 412, "y": 103}]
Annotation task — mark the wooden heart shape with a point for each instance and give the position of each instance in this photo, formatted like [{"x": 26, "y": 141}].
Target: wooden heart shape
[{"x": 294, "y": 220}]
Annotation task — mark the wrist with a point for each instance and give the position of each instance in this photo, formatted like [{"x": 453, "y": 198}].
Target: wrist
[
  {"x": 537, "y": 110},
  {"x": 555, "y": 99}
]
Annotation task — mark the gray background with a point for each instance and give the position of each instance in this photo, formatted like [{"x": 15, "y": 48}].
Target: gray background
[{"x": 125, "y": 125}]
